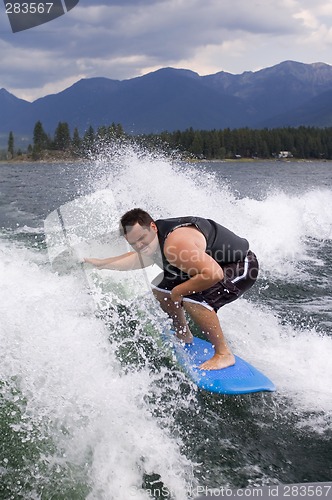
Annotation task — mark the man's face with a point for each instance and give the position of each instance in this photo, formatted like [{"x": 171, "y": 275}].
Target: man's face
[{"x": 143, "y": 239}]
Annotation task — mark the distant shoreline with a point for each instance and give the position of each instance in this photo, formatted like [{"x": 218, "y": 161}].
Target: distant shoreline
[
  {"x": 68, "y": 156},
  {"x": 74, "y": 159},
  {"x": 46, "y": 157}
]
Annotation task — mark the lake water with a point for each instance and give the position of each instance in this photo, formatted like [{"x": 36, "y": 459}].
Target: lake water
[{"x": 92, "y": 406}]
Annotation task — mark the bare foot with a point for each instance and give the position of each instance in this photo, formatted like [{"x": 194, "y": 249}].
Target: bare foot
[{"x": 218, "y": 361}]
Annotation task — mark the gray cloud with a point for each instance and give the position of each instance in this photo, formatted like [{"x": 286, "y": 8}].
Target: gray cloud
[{"x": 122, "y": 38}]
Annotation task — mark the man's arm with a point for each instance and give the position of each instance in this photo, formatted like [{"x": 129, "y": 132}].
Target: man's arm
[
  {"x": 185, "y": 249},
  {"x": 124, "y": 262}
]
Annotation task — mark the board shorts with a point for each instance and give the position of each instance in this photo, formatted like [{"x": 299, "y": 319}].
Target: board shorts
[{"x": 238, "y": 278}]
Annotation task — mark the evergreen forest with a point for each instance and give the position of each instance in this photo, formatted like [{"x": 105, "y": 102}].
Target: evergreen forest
[{"x": 287, "y": 142}]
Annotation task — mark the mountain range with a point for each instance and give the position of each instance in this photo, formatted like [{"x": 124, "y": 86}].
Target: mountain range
[{"x": 287, "y": 94}]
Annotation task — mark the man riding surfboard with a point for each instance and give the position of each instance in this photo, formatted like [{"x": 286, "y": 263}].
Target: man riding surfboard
[{"x": 205, "y": 266}]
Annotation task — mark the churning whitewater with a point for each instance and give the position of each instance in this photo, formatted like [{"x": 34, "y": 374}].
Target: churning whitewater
[{"x": 92, "y": 404}]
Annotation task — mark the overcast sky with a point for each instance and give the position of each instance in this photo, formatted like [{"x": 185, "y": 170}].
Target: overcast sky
[{"x": 121, "y": 39}]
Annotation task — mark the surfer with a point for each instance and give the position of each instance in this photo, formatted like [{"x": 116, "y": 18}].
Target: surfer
[{"x": 205, "y": 266}]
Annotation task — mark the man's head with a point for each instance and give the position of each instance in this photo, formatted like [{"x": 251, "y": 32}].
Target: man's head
[{"x": 140, "y": 230}]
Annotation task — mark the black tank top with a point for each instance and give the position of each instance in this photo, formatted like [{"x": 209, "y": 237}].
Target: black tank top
[{"x": 224, "y": 246}]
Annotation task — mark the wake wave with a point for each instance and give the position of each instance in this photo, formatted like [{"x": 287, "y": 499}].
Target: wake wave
[
  {"x": 104, "y": 415},
  {"x": 62, "y": 375}
]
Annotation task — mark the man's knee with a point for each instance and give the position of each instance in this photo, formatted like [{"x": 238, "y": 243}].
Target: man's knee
[
  {"x": 197, "y": 309},
  {"x": 164, "y": 299},
  {"x": 160, "y": 296},
  {"x": 167, "y": 305}
]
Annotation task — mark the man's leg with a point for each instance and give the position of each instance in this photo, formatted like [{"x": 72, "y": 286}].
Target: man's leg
[
  {"x": 208, "y": 322},
  {"x": 176, "y": 313}
]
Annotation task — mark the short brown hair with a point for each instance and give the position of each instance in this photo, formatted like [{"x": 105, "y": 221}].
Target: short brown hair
[{"x": 132, "y": 217}]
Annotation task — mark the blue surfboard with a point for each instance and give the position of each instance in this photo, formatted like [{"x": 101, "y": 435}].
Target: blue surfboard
[{"x": 241, "y": 378}]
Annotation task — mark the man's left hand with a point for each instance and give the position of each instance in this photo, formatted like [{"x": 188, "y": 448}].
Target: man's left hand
[{"x": 177, "y": 297}]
